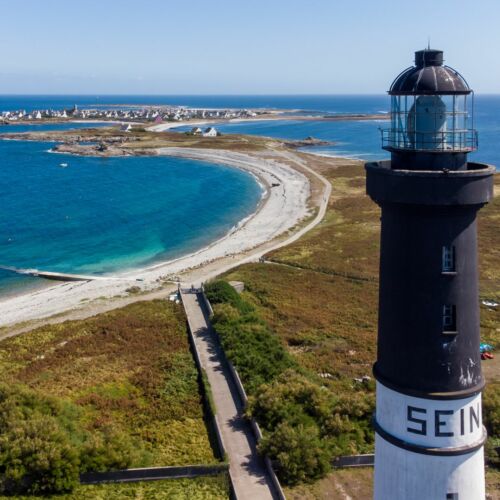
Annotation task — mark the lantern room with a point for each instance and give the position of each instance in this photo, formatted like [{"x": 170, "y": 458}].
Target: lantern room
[{"x": 431, "y": 112}]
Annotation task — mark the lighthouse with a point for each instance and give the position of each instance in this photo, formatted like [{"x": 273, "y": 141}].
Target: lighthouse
[{"x": 429, "y": 435}]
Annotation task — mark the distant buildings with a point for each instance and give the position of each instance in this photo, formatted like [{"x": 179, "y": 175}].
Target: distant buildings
[{"x": 149, "y": 114}]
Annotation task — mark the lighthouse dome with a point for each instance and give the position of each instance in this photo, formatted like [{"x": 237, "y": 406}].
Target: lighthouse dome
[{"x": 429, "y": 76}]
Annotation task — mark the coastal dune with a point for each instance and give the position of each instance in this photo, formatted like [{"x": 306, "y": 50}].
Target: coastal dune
[{"x": 286, "y": 192}]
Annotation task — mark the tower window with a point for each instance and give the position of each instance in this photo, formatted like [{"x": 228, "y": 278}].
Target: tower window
[
  {"x": 451, "y": 496},
  {"x": 448, "y": 259},
  {"x": 449, "y": 319}
]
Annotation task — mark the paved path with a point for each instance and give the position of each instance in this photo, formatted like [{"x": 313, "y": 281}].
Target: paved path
[{"x": 248, "y": 473}]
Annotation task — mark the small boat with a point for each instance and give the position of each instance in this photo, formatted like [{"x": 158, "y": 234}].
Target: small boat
[{"x": 63, "y": 165}]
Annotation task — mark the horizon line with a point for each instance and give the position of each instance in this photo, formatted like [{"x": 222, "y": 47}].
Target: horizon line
[{"x": 97, "y": 94}]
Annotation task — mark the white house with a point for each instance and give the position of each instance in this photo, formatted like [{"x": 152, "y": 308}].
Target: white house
[
  {"x": 210, "y": 132},
  {"x": 196, "y": 131}
]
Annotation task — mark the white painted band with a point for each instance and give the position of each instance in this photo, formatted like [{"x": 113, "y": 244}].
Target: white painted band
[
  {"x": 403, "y": 475},
  {"x": 429, "y": 422}
]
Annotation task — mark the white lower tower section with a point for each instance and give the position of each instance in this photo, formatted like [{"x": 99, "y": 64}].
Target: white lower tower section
[{"x": 428, "y": 449}]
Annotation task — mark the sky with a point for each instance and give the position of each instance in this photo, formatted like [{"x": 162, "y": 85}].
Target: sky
[{"x": 239, "y": 46}]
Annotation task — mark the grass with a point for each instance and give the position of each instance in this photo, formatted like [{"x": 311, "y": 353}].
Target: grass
[
  {"x": 346, "y": 243},
  {"x": 338, "y": 485},
  {"x": 326, "y": 333},
  {"x": 358, "y": 484},
  {"x": 322, "y": 299},
  {"x": 130, "y": 369},
  {"x": 203, "y": 488}
]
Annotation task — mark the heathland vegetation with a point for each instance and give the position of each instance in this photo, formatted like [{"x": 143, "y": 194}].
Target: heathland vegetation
[
  {"x": 202, "y": 488},
  {"x": 316, "y": 300},
  {"x": 121, "y": 389},
  {"x": 114, "y": 391},
  {"x": 305, "y": 427}
]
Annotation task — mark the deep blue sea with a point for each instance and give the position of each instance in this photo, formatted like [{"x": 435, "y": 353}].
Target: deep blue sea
[{"x": 101, "y": 215}]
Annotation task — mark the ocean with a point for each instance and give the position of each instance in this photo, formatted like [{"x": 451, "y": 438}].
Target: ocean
[{"x": 101, "y": 215}]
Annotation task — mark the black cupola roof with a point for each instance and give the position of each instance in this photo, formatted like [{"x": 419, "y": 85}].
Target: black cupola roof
[{"x": 429, "y": 76}]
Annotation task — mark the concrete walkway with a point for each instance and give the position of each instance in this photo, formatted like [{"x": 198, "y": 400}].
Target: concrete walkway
[{"x": 248, "y": 473}]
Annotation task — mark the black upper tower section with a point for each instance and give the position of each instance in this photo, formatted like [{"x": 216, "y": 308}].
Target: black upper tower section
[
  {"x": 429, "y": 76},
  {"x": 431, "y": 116},
  {"x": 428, "y": 340}
]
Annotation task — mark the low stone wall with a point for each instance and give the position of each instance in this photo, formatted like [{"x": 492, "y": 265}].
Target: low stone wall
[
  {"x": 153, "y": 473},
  {"x": 237, "y": 382},
  {"x": 274, "y": 478},
  {"x": 213, "y": 417},
  {"x": 367, "y": 460},
  {"x": 256, "y": 429},
  {"x": 253, "y": 423},
  {"x": 207, "y": 302}
]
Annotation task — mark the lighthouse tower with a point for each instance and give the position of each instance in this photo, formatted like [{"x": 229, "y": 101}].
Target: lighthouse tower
[{"x": 429, "y": 433}]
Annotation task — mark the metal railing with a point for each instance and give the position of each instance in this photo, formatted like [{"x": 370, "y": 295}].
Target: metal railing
[{"x": 447, "y": 141}]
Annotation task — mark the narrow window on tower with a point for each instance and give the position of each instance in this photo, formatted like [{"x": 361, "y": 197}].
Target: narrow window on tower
[
  {"x": 449, "y": 319},
  {"x": 448, "y": 259},
  {"x": 451, "y": 496}
]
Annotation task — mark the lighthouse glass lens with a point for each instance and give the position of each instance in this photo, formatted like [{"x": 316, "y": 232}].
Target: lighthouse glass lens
[{"x": 430, "y": 123}]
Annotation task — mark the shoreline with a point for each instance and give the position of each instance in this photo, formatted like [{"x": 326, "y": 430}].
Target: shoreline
[
  {"x": 162, "y": 127},
  {"x": 281, "y": 208}
]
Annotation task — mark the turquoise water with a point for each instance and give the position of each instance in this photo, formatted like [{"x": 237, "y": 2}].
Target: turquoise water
[{"x": 99, "y": 215}]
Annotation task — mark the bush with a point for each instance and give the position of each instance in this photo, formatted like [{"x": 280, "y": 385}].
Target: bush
[
  {"x": 292, "y": 398},
  {"x": 41, "y": 450},
  {"x": 221, "y": 292},
  {"x": 252, "y": 347},
  {"x": 37, "y": 454},
  {"x": 248, "y": 342},
  {"x": 338, "y": 423},
  {"x": 300, "y": 453},
  {"x": 37, "y": 457},
  {"x": 110, "y": 449}
]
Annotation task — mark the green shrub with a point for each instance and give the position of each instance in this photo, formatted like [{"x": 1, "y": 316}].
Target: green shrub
[
  {"x": 292, "y": 398},
  {"x": 37, "y": 457},
  {"x": 37, "y": 449},
  {"x": 253, "y": 348},
  {"x": 300, "y": 453},
  {"x": 43, "y": 452},
  {"x": 296, "y": 404},
  {"x": 221, "y": 292},
  {"x": 110, "y": 449}
]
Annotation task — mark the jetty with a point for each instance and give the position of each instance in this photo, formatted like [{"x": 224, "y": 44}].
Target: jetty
[{"x": 56, "y": 276}]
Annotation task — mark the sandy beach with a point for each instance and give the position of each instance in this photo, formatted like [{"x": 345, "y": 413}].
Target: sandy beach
[
  {"x": 284, "y": 204},
  {"x": 162, "y": 127}
]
